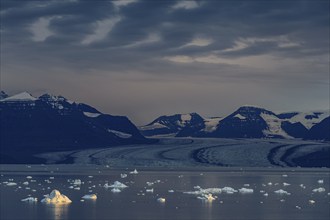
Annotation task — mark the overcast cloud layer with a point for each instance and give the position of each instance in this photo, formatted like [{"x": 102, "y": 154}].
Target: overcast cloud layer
[{"x": 147, "y": 58}]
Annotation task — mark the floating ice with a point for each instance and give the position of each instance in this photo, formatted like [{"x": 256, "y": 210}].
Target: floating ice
[
  {"x": 162, "y": 200},
  {"x": 282, "y": 192},
  {"x": 115, "y": 190},
  {"x": 284, "y": 175},
  {"x": 134, "y": 172},
  {"x": 123, "y": 175},
  {"x": 320, "y": 181},
  {"x": 171, "y": 191},
  {"x": 321, "y": 189},
  {"x": 11, "y": 184},
  {"x": 246, "y": 185},
  {"x": 207, "y": 197},
  {"x": 77, "y": 182},
  {"x": 286, "y": 184},
  {"x": 30, "y": 199},
  {"x": 311, "y": 201},
  {"x": 150, "y": 183},
  {"x": 150, "y": 190},
  {"x": 245, "y": 190},
  {"x": 228, "y": 190},
  {"x": 91, "y": 196},
  {"x": 116, "y": 184},
  {"x": 302, "y": 186},
  {"x": 205, "y": 191},
  {"x": 270, "y": 184},
  {"x": 298, "y": 207},
  {"x": 266, "y": 194},
  {"x": 55, "y": 197},
  {"x": 29, "y": 177}
]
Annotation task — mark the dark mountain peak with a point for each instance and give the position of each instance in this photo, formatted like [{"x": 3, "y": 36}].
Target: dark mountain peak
[
  {"x": 3, "y": 95},
  {"x": 248, "y": 109},
  {"x": 52, "y": 98}
]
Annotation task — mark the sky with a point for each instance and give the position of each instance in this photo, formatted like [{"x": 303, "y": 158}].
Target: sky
[{"x": 143, "y": 58}]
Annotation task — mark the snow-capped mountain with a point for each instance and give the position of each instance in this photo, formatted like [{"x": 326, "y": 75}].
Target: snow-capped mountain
[
  {"x": 171, "y": 125},
  {"x": 251, "y": 122},
  {"x": 54, "y": 123}
]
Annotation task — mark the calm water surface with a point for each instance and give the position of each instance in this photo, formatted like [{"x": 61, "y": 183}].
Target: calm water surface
[{"x": 135, "y": 203}]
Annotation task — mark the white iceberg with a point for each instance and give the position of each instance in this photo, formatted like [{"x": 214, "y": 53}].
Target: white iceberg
[
  {"x": 55, "y": 197},
  {"x": 90, "y": 196},
  {"x": 286, "y": 184},
  {"x": 26, "y": 183},
  {"x": 123, "y": 175},
  {"x": 116, "y": 190},
  {"x": 311, "y": 201},
  {"x": 171, "y": 191},
  {"x": 320, "y": 181},
  {"x": 150, "y": 190},
  {"x": 77, "y": 182},
  {"x": 282, "y": 192},
  {"x": 162, "y": 200},
  {"x": 30, "y": 199},
  {"x": 29, "y": 177},
  {"x": 11, "y": 184},
  {"x": 321, "y": 189},
  {"x": 205, "y": 191},
  {"x": 228, "y": 190},
  {"x": 245, "y": 190},
  {"x": 134, "y": 172},
  {"x": 116, "y": 184},
  {"x": 207, "y": 197}
]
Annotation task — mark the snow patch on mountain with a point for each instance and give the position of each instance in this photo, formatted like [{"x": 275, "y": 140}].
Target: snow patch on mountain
[
  {"x": 152, "y": 126},
  {"x": 240, "y": 116},
  {"x": 274, "y": 126},
  {"x": 211, "y": 124},
  {"x": 120, "y": 134},
  {"x": 91, "y": 114},
  {"x": 24, "y": 96},
  {"x": 309, "y": 119}
]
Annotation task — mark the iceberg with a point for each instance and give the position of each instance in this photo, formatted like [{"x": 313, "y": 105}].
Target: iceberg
[
  {"x": 118, "y": 185},
  {"x": 55, "y": 197},
  {"x": 320, "y": 181},
  {"x": 162, "y": 200},
  {"x": 11, "y": 184},
  {"x": 29, "y": 199},
  {"x": 282, "y": 192},
  {"x": 134, "y": 172},
  {"x": 245, "y": 190},
  {"x": 91, "y": 196},
  {"x": 123, "y": 175},
  {"x": 116, "y": 190},
  {"x": 321, "y": 189}
]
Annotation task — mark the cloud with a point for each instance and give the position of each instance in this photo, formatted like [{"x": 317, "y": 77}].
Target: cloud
[
  {"x": 199, "y": 42},
  {"x": 185, "y": 5},
  {"x": 121, "y": 3},
  {"x": 40, "y": 29},
  {"x": 102, "y": 29},
  {"x": 151, "y": 38}
]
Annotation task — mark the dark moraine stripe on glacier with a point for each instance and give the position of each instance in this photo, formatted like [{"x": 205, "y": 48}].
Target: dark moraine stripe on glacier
[
  {"x": 290, "y": 153},
  {"x": 273, "y": 152}
]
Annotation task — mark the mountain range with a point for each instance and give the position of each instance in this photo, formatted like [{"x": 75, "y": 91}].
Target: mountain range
[
  {"x": 54, "y": 123},
  {"x": 245, "y": 122}
]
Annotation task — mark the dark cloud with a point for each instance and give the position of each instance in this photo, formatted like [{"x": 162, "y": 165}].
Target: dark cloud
[{"x": 168, "y": 56}]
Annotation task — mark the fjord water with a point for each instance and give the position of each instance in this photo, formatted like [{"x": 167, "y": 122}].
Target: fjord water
[{"x": 135, "y": 203}]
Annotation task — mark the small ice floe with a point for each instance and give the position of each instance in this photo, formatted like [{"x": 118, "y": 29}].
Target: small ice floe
[
  {"x": 11, "y": 184},
  {"x": 282, "y": 192},
  {"x": 150, "y": 183},
  {"x": 311, "y": 201},
  {"x": 320, "y": 181},
  {"x": 76, "y": 188},
  {"x": 246, "y": 185},
  {"x": 77, "y": 182},
  {"x": 30, "y": 199},
  {"x": 90, "y": 196},
  {"x": 270, "y": 184},
  {"x": 302, "y": 186},
  {"x": 282, "y": 200},
  {"x": 123, "y": 175},
  {"x": 245, "y": 191},
  {"x": 228, "y": 190},
  {"x": 286, "y": 184},
  {"x": 266, "y": 194},
  {"x": 29, "y": 177},
  {"x": 33, "y": 181},
  {"x": 134, "y": 172},
  {"x": 207, "y": 197},
  {"x": 90, "y": 176},
  {"x": 171, "y": 191},
  {"x": 162, "y": 200},
  {"x": 55, "y": 197},
  {"x": 298, "y": 207},
  {"x": 51, "y": 177},
  {"x": 284, "y": 175},
  {"x": 205, "y": 191},
  {"x": 116, "y": 184},
  {"x": 321, "y": 189},
  {"x": 149, "y": 190},
  {"x": 197, "y": 187},
  {"x": 262, "y": 191},
  {"x": 115, "y": 190}
]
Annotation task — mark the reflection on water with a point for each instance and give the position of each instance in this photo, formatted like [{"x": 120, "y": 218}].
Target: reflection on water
[{"x": 57, "y": 211}]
